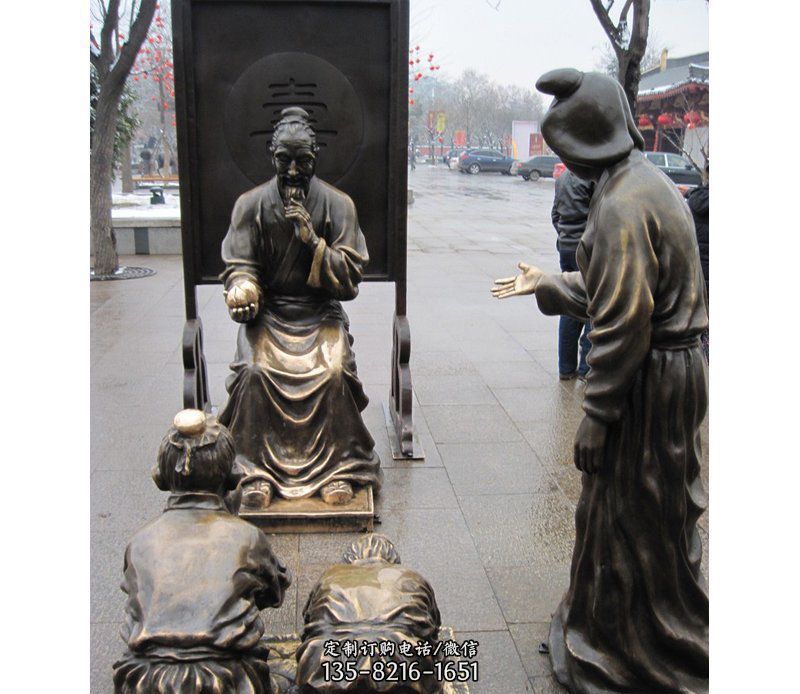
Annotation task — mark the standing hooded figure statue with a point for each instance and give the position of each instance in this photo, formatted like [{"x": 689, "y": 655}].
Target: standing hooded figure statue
[{"x": 635, "y": 616}]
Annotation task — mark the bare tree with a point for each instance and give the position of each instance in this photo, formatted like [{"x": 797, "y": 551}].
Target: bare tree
[
  {"x": 608, "y": 63},
  {"x": 112, "y": 61},
  {"x": 629, "y": 41}
]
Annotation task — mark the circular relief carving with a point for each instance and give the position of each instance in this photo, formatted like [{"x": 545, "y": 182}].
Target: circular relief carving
[{"x": 280, "y": 80}]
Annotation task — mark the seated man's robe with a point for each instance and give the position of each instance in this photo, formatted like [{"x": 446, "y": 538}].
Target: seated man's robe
[
  {"x": 196, "y": 579},
  {"x": 368, "y": 600},
  {"x": 295, "y": 400}
]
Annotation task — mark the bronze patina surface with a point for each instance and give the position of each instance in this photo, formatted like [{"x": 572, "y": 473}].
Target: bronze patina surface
[
  {"x": 369, "y": 597},
  {"x": 294, "y": 251},
  {"x": 635, "y": 616},
  {"x": 197, "y": 576},
  {"x": 283, "y": 663}
]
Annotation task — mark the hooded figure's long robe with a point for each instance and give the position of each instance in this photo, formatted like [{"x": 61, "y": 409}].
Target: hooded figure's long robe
[
  {"x": 295, "y": 400},
  {"x": 635, "y": 616}
]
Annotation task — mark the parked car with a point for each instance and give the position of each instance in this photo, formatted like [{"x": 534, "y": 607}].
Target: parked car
[
  {"x": 451, "y": 157},
  {"x": 476, "y": 160},
  {"x": 538, "y": 167},
  {"x": 559, "y": 169},
  {"x": 678, "y": 169}
]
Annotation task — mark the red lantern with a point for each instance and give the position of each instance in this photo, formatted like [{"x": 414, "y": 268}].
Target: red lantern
[
  {"x": 416, "y": 48},
  {"x": 664, "y": 119},
  {"x": 644, "y": 121},
  {"x": 440, "y": 139},
  {"x": 692, "y": 118},
  {"x": 410, "y": 62},
  {"x": 411, "y": 102},
  {"x": 411, "y": 90},
  {"x": 432, "y": 68}
]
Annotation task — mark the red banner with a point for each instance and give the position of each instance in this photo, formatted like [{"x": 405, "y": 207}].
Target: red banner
[
  {"x": 460, "y": 138},
  {"x": 536, "y": 145}
]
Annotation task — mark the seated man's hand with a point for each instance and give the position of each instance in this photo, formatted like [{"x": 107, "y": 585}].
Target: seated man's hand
[
  {"x": 242, "y": 299},
  {"x": 590, "y": 444},
  {"x": 303, "y": 228},
  {"x": 522, "y": 284}
]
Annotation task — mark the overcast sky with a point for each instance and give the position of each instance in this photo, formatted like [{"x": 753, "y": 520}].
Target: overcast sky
[{"x": 525, "y": 38}]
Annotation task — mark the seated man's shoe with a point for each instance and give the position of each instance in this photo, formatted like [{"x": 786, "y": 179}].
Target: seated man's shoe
[
  {"x": 256, "y": 494},
  {"x": 567, "y": 377},
  {"x": 337, "y": 493}
]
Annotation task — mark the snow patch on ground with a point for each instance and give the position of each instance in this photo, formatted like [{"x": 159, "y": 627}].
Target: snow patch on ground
[{"x": 137, "y": 206}]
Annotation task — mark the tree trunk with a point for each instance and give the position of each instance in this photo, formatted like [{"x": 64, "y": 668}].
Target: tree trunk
[
  {"x": 104, "y": 243},
  {"x": 127, "y": 169},
  {"x": 630, "y": 72}
]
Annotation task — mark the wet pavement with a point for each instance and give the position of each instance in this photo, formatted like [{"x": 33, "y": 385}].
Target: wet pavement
[{"x": 487, "y": 517}]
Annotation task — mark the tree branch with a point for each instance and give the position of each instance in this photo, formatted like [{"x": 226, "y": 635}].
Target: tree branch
[
  {"x": 608, "y": 26},
  {"x": 623, "y": 16},
  {"x": 641, "y": 27},
  {"x": 127, "y": 56},
  {"x": 107, "y": 32}
]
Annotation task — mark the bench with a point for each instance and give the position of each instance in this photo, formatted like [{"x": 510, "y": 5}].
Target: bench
[{"x": 145, "y": 181}]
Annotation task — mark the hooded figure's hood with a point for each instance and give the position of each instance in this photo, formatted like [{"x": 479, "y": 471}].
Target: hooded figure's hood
[{"x": 589, "y": 122}]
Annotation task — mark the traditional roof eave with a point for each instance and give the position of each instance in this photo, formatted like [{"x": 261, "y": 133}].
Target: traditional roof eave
[{"x": 669, "y": 90}]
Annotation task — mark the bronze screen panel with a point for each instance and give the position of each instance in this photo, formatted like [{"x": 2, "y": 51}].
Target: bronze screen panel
[{"x": 239, "y": 63}]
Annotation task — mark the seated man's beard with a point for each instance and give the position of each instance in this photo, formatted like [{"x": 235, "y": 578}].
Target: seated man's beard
[{"x": 294, "y": 188}]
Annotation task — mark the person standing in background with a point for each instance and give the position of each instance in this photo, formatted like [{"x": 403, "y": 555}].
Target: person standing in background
[
  {"x": 697, "y": 199},
  {"x": 569, "y": 214}
]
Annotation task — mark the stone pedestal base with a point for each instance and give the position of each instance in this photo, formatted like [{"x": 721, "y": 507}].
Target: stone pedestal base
[{"x": 313, "y": 515}]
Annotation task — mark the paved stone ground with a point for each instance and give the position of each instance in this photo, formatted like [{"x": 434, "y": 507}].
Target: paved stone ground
[{"x": 487, "y": 517}]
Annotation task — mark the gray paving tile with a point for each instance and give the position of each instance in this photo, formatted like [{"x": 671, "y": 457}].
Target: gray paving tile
[
  {"x": 527, "y": 593},
  {"x": 539, "y": 405},
  {"x": 460, "y": 389},
  {"x": 554, "y": 440},
  {"x": 464, "y": 596},
  {"x": 106, "y": 648},
  {"x": 521, "y": 530},
  {"x": 423, "y": 537},
  {"x": 527, "y": 638},
  {"x": 415, "y": 488},
  {"x": 509, "y": 374},
  {"x": 470, "y": 424},
  {"x": 546, "y": 685},
  {"x": 500, "y": 669},
  {"x": 494, "y": 468}
]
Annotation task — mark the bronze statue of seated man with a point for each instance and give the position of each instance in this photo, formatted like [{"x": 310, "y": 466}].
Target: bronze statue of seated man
[
  {"x": 293, "y": 252},
  {"x": 369, "y": 598},
  {"x": 197, "y": 577}
]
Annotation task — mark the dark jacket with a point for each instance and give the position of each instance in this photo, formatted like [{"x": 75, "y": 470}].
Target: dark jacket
[
  {"x": 698, "y": 204},
  {"x": 571, "y": 209}
]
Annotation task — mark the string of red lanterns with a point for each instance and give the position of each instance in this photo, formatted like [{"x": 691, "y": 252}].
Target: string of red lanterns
[{"x": 415, "y": 69}]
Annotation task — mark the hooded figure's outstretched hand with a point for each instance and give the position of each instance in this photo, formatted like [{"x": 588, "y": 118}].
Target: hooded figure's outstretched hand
[{"x": 522, "y": 284}]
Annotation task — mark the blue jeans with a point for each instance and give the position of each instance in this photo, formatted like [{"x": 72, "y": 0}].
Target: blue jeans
[{"x": 569, "y": 331}]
